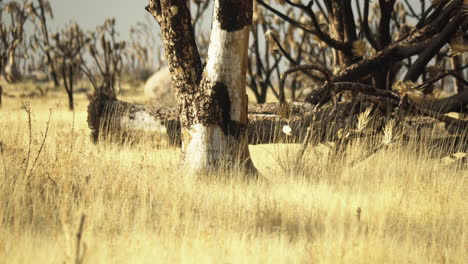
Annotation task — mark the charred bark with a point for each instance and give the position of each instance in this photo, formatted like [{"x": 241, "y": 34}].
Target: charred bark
[
  {"x": 212, "y": 105},
  {"x": 181, "y": 51},
  {"x": 433, "y": 47},
  {"x": 455, "y": 103},
  {"x": 455, "y": 62},
  {"x": 45, "y": 34},
  {"x": 425, "y": 41}
]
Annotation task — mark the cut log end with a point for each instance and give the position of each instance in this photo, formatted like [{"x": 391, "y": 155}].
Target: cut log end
[{"x": 96, "y": 110}]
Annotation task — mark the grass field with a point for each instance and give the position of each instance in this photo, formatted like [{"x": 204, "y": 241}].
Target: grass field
[{"x": 395, "y": 207}]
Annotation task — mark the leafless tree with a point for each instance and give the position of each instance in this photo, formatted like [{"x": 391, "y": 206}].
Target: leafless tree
[
  {"x": 106, "y": 54},
  {"x": 67, "y": 51},
  {"x": 13, "y": 16},
  {"x": 143, "y": 50},
  {"x": 41, "y": 12},
  {"x": 263, "y": 65},
  {"x": 276, "y": 45},
  {"x": 376, "y": 44}
]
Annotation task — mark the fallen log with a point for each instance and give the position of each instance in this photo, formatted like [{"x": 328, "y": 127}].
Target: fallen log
[
  {"x": 268, "y": 123},
  {"x": 455, "y": 103},
  {"x": 110, "y": 117}
]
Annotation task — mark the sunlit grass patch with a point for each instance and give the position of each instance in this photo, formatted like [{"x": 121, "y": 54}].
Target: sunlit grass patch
[{"x": 398, "y": 205}]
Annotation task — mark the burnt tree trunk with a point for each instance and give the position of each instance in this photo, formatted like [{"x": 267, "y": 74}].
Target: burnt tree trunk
[
  {"x": 68, "y": 83},
  {"x": 212, "y": 104},
  {"x": 71, "y": 105},
  {"x": 45, "y": 33},
  {"x": 337, "y": 31},
  {"x": 456, "y": 63}
]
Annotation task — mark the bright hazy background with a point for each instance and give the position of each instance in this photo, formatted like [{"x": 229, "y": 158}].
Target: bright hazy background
[{"x": 91, "y": 13}]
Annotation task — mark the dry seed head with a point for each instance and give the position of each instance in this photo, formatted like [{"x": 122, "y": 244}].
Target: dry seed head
[
  {"x": 410, "y": 89},
  {"x": 343, "y": 133},
  {"x": 400, "y": 86},
  {"x": 388, "y": 133},
  {"x": 363, "y": 119},
  {"x": 415, "y": 95},
  {"x": 359, "y": 48}
]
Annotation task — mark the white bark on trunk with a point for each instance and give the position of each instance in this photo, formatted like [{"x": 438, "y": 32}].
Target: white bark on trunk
[{"x": 208, "y": 146}]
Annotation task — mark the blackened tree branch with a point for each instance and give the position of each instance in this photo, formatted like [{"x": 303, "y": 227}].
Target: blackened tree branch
[
  {"x": 433, "y": 48},
  {"x": 316, "y": 31}
]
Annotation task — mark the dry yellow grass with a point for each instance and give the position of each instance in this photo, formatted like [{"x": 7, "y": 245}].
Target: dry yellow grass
[{"x": 396, "y": 207}]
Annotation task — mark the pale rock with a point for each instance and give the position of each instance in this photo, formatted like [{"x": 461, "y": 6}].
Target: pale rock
[{"x": 158, "y": 88}]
